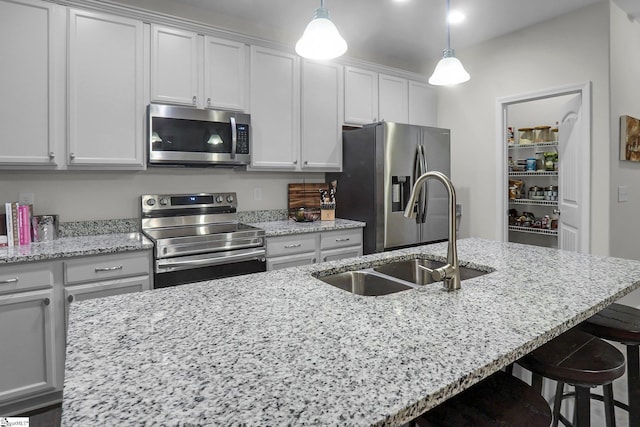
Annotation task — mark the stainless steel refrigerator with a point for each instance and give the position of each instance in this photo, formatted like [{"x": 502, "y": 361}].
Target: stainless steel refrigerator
[{"x": 381, "y": 162}]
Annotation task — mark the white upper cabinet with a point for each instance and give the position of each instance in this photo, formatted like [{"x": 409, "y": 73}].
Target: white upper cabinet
[
  {"x": 199, "y": 71},
  {"x": 175, "y": 64},
  {"x": 224, "y": 74},
  {"x": 275, "y": 109},
  {"x": 422, "y": 104},
  {"x": 106, "y": 104},
  {"x": 360, "y": 96},
  {"x": 27, "y": 83},
  {"x": 393, "y": 101},
  {"x": 322, "y": 113}
]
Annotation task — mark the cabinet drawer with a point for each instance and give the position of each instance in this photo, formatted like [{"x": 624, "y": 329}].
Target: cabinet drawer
[
  {"x": 290, "y": 261},
  {"x": 19, "y": 278},
  {"x": 106, "y": 267},
  {"x": 340, "y": 239},
  {"x": 288, "y": 245},
  {"x": 342, "y": 253}
]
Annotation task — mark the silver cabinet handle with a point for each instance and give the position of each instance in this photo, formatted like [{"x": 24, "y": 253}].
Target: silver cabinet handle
[
  {"x": 98, "y": 269},
  {"x": 46, "y": 301},
  {"x": 52, "y": 155},
  {"x": 346, "y": 239},
  {"x": 70, "y": 298},
  {"x": 14, "y": 280},
  {"x": 296, "y": 245}
]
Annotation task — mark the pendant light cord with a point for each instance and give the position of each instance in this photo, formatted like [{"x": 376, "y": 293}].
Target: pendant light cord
[{"x": 448, "y": 29}]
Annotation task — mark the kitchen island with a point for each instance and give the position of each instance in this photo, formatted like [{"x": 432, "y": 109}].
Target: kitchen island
[{"x": 284, "y": 348}]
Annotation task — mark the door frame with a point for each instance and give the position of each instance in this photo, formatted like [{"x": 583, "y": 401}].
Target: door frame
[{"x": 502, "y": 104}]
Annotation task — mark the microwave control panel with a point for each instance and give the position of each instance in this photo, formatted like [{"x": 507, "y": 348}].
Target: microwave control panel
[{"x": 242, "y": 145}]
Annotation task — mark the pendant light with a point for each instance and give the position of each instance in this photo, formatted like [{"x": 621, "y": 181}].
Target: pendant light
[
  {"x": 321, "y": 39},
  {"x": 449, "y": 70}
]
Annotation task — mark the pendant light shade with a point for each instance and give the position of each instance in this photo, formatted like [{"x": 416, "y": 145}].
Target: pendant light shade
[
  {"x": 449, "y": 70},
  {"x": 321, "y": 39}
]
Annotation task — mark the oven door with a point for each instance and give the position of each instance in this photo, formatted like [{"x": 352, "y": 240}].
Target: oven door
[{"x": 196, "y": 268}]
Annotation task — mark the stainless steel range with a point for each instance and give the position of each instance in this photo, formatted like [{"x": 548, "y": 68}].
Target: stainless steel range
[{"x": 198, "y": 237}]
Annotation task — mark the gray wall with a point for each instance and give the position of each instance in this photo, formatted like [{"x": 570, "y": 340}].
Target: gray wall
[{"x": 82, "y": 196}]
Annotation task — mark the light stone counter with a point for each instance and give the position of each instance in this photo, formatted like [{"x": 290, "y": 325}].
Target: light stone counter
[
  {"x": 286, "y": 227},
  {"x": 283, "y": 348},
  {"x": 75, "y": 246}
]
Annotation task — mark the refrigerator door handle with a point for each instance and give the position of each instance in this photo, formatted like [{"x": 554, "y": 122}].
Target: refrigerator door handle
[
  {"x": 417, "y": 171},
  {"x": 424, "y": 191}
]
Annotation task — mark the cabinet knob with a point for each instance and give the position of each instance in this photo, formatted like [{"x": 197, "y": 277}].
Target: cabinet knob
[
  {"x": 46, "y": 301},
  {"x": 52, "y": 155},
  {"x": 72, "y": 156},
  {"x": 324, "y": 259},
  {"x": 209, "y": 102},
  {"x": 194, "y": 100},
  {"x": 295, "y": 162},
  {"x": 70, "y": 298},
  {"x": 306, "y": 162},
  {"x": 313, "y": 260}
]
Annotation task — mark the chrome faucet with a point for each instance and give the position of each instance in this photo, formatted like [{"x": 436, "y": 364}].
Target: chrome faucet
[{"x": 450, "y": 273}]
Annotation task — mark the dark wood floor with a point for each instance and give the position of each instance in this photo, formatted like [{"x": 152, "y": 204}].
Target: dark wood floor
[{"x": 44, "y": 417}]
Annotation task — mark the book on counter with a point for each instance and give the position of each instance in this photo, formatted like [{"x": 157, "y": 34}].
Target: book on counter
[{"x": 17, "y": 224}]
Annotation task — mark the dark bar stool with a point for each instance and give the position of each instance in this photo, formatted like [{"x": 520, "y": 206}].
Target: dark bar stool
[
  {"x": 500, "y": 400},
  {"x": 621, "y": 323},
  {"x": 583, "y": 361}
]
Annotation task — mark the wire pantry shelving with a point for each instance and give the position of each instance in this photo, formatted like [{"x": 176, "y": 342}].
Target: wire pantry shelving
[
  {"x": 533, "y": 202},
  {"x": 531, "y": 230}
]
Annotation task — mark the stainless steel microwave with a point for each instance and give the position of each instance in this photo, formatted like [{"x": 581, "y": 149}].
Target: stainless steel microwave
[{"x": 183, "y": 136}]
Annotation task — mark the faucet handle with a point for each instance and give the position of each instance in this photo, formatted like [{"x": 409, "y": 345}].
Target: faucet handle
[{"x": 439, "y": 274}]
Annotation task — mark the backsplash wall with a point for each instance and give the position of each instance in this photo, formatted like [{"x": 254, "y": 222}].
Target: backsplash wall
[{"x": 90, "y": 195}]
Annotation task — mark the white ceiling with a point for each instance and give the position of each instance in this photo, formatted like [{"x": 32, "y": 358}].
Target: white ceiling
[{"x": 407, "y": 34}]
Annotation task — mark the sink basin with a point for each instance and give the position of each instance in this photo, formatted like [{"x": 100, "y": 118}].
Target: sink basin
[
  {"x": 410, "y": 272},
  {"x": 365, "y": 283}
]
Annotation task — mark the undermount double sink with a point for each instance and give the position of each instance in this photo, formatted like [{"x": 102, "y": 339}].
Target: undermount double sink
[{"x": 392, "y": 277}]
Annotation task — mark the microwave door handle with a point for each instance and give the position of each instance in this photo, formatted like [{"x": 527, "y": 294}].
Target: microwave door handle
[{"x": 234, "y": 137}]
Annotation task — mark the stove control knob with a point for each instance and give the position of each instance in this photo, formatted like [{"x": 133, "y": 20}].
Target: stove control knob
[
  {"x": 164, "y": 201},
  {"x": 219, "y": 199},
  {"x": 151, "y": 202},
  {"x": 230, "y": 199}
]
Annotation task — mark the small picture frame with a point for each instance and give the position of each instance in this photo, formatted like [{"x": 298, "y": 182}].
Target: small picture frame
[{"x": 629, "y": 138}]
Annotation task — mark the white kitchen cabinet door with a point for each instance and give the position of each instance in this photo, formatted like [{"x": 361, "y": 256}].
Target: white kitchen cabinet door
[
  {"x": 275, "y": 109},
  {"x": 322, "y": 112},
  {"x": 225, "y": 74},
  {"x": 106, "y": 91},
  {"x": 175, "y": 65},
  {"x": 28, "y": 355},
  {"x": 27, "y": 83},
  {"x": 422, "y": 104},
  {"x": 393, "y": 99},
  {"x": 360, "y": 96}
]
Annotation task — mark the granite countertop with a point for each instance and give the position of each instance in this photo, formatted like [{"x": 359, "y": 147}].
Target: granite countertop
[
  {"x": 286, "y": 227},
  {"x": 75, "y": 246},
  {"x": 133, "y": 241},
  {"x": 284, "y": 348}
]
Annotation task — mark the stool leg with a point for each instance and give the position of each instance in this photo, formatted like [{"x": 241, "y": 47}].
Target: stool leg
[
  {"x": 536, "y": 382},
  {"x": 609, "y": 408},
  {"x": 633, "y": 384},
  {"x": 583, "y": 410},
  {"x": 557, "y": 403}
]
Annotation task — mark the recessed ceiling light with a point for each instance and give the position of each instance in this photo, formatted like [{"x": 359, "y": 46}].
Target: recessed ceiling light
[
  {"x": 456, "y": 17},
  {"x": 401, "y": 1}
]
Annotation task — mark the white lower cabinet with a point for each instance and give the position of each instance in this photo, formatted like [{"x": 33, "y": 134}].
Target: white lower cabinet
[
  {"x": 34, "y": 308},
  {"x": 309, "y": 248},
  {"x": 29, "y": 315}
]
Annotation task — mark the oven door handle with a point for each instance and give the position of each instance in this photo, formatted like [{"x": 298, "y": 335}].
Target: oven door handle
[{"x": 225, "y": 259}]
